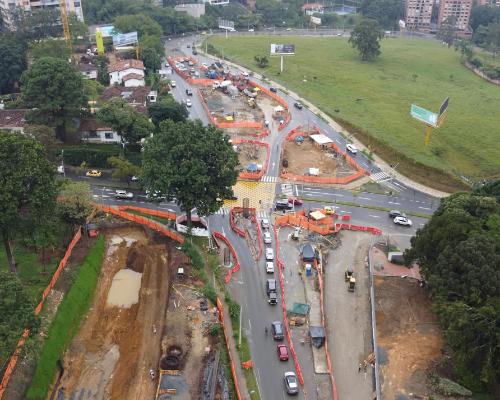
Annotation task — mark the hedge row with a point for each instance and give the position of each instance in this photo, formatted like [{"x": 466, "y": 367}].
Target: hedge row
[{"x": 98, "y": 156}]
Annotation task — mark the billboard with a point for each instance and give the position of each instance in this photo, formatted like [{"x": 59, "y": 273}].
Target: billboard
[
  {"x": 124, "y": 39},
  {"x": 226, "y": 24},
  {"x": 106, "y": 30},
  {"x": 315, "y": 20},
  {"x": 423, "y": 115},
  {"x": 282, "y": 49}
]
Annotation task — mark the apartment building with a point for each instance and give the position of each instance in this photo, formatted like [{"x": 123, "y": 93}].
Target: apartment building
[
  {"x": 459, "y": 9},
  {"x": 418, "y": 15},
  {"x": 8, "y": 6}
]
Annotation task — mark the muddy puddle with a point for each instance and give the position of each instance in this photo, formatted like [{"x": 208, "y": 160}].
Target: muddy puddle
[{"x": 125, "y": 287}]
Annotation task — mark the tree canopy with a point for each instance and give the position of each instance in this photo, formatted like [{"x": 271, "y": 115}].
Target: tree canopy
[
  {"x": 55, "y": 89},
  {"x": 141, "y": 23},
  {"x": 386, "y": 12},
  {"x": 167, "y": 108},
  {"x": 130, "y": 124},
  {"x": 192, "y": 163},
  {"x": 458, "y": 251},
  {"x": 76, "y": 202},
  {"x": 365, "y": 37},
  {"x": 12, "y": 62},
  {"x": 50, "y": 48},
  {"x": 448, "y": 31},
  {"x": 27, "y": 188}
]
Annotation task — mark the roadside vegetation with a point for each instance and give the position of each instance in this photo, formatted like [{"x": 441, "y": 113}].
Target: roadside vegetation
[
  {"x": 67, "y": 321},
  {"x": 458, "y": 251},
  {"x": 372, "y": 100}
]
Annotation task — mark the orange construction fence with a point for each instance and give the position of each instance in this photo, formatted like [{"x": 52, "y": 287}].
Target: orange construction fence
[
  {"x": 148, "y": 211},
  {"x": 15, "y": 355},
  {"x": 236, "y": 266},
  {"x": 255, "y": 175},
  {"x": 231, "y": 362}
]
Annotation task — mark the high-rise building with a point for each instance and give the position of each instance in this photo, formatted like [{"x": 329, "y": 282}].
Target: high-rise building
[
  {"x": 457, "y": 9},
  {"x": 8, "y": 6},
  {"x": 418, "y": 15}
]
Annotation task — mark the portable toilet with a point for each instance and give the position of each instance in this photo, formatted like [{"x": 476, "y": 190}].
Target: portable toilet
[{"x": 308, "y": 269}]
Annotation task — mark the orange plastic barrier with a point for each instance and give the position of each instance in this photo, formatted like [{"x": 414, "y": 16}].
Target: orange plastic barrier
[
  {"x": 238, "y": 124},
  {"x": 236, "y": 266},
  {"x": 261, "y": 173},
  {"x": 148, "y": 211},
  {"x": 15, "y": 355},
  {"x": 283, "y": 309},
  {"x": 253, "y": 217},
  {"x": 143, "y": 221},
  {"x": 231, "y": 362}
]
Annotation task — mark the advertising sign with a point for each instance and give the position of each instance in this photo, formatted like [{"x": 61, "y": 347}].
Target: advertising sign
[
  {"x": 424, "y": 115},
  {"x": 444, "y": 106},
  {"x": 226, "y": 24},
  {"x": 124, "y": 39},
  {"x": 315, "y": 20},
  {"x": 282, "y": 49},
  {"x": 106, "y": 30}
]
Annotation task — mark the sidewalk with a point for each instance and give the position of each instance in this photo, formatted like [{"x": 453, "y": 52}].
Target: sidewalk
[{"x": 384, "y": 166}]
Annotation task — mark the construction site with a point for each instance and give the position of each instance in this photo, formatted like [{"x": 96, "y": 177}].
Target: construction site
[
  {"x": 147, "y": 333},
  {"x": 252, "y": 155},
  {"x": 310, "y": 153}
]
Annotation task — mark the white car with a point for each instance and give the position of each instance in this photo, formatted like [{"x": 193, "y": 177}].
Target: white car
[
  {"x": 269, "y": 254},
  {"x": 265, "y": 223},
  {"x": 267, "y": 237},
  {"x": 403, "y": 221},
  {"x": 244, "y": 73},
  {"x": 123, "y": 194},
  {"x": 188, "y": 103},
  {"x": 173, "y": 84},
  {"x": 251, "y": 30},
  {"x": 60, "y": 169},
  {"x": 351, "y": 148},
  {"x": 269, "y": 267}
]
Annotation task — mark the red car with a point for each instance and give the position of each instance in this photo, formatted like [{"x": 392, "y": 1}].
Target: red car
[
  {"x": 295, "y": 201},
  {"x": 282, "y": 352}
]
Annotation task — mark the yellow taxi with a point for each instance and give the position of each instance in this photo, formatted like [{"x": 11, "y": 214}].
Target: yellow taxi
[{"x": 94, "y": 173}]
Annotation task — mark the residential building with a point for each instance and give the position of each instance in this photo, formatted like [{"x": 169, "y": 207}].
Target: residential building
[
  {"x": 8, "y": 6},
  {"x": 119, "y": 70},
  {"x": 418, "y": 15},
  {"x": 458, "y": 9},
  {"x": 133, "y": 80},
  {"x": 93, "y": 131},
  {"x": 89, "y": 71},
  {"x": 137, "y": 97},
  {"x": 13, "y": 120},
  {"x": 195, "y": 10},
  {"x": 313, "y": 8}
]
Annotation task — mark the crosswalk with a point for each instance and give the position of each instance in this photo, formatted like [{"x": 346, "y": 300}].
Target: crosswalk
[
  {"x": 385, "y": 179},
  {"x": 269, "y": 179},
  {"x": 287, "y": 189},
  {"x": 380, "y": 176}
]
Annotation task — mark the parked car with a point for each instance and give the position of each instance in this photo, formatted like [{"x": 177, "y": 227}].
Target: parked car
[
  {"x": 296, "y": 233},
  {"x": 267, "y": 238},
  {"x": 282, "y": 352},
  {"x": 291, "y": 384},
  {"x": 94, "y": 173},
  {"x": 294, "y": 200},
  {"x": 269, "y": 267},
  {"x": 189, "y": 92},
  {"x": 264, "y": 223},
  {"x": 173, "y": 84},
  {"x": 282, "y": 205},
  {"x": 269, "y": 254},
  {"x": 351, "y": 148},
  {"x": 298, "y": 105},
  {"x": 277, "y": 330},
  {"x": 251, "y": 30},
  {"x": 273, "y": 89},
  {"x": 60, "y": 169},
  {"x": 396, "y": 213},
  {"x": 188, "y": 103},
  {"x": 123, "y": 194},
  {"x": 271, "y": 286},
  {"x": 403, "y": 221}
]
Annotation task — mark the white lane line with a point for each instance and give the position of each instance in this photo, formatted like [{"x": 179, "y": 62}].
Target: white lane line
[
  {"x": 365, "y": 198},
  {"x": 424, "y": 208},
  {"x": 250, "y": 324},
  {"x": 345, "y": 212},
  {"x": 393, "y": 202},
  {"x": 296, "y": 191},
  {"x": 313, "y": 189},
  {"x": 374, "y": 216}
]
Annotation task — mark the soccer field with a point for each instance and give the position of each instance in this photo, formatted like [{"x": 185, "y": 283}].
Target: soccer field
[{"x": 376, "y": 97}]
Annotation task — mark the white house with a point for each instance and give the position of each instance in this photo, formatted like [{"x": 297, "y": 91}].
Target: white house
[
  {"x": 119, "y": 70},
  {"x": 88, "y": 71},
  {"x": 93, "y": 131},
  {"x": 133, "y": 80}
]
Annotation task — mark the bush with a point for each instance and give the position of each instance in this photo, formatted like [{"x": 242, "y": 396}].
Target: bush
[
  {"x": 215, "y": 330},
  {"x": 209, "y": 292},
  {"x": 194, "y": 255},
  {"x": 476, "y": 62},
  {"x": 97, "y": 155}
]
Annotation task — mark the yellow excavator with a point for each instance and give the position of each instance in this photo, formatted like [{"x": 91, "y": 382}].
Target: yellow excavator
[{"x": 350, "y": 279}]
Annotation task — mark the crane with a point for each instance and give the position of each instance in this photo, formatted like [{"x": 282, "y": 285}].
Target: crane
[{"x": 65, "y": 23}]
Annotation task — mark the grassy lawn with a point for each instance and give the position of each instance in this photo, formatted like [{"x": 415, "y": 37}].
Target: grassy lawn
[
  {"x": 375, "y": 97},
  {"x": 67, "y": 321}
]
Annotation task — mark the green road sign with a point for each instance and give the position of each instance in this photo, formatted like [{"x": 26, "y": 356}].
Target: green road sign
[{"x": 423, "y": 115}]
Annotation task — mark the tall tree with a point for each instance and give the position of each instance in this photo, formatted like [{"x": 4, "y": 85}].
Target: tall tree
[
  {"x": 50, "y": 48},
  {"x": 193, "y": 163},
  {"x": 77, "y": 28},
  {"x": 55, "y": 89},
  {"x": 12, "y": 62},
  {"x": 27, "y": 188},
  {"x": 16, "y": 313},
  {"x": 386, "y": 12},
  {"x": 141, "y": 23},
  {"x": 365, "y": 37},
  {"x": 493, "y": 37},
  {"x": 47, "y": 137},
  {"x": 447, "y": 32},
  {"x": 130, "y": 124},
  {"x": 151, "y": 51},
  {"x": 167, "y": 108},
  {"x": 122, "y": 168},
  {"x": 37, "y": 24},
  {"x": 75, "y": 203}
]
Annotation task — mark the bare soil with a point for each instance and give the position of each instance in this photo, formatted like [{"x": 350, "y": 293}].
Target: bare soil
[
  {"x": 116, "y": 347},
  {"x": 309, "y": 155},
  {"x": 408, "y": 336},
  {"x": 251, "y": 153},
  {"x": 223, "y": 104}
]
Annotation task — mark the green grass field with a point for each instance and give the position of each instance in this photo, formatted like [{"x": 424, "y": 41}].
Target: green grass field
[
  {"x": 375, "y": 98},
  {"x": 67, "y": 321}
]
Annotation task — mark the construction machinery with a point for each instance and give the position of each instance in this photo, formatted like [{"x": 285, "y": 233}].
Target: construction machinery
[
  {"x": 349, "y": 273},
  {"x": 351, "y": 284}
]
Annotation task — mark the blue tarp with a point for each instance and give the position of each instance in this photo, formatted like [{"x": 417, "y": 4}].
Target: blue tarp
[
  {"x": 252, "y": 168},
  {"x": 299, "y": 139}
]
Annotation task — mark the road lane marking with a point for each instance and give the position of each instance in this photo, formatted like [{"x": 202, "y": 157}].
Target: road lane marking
[
  {"x": 393, "y": 202},
  {"x": 424, "y": 208},
  {"x": 375, "y": 216},
  {"x": 365, "y": 198}
]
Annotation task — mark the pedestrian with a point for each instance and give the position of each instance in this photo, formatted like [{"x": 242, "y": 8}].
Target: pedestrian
[{"x": 359, "y": 368}]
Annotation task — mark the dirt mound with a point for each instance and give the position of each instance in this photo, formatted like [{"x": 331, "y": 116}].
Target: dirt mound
[
  {"x": 137, "y": 257},
  {"x": 173, "y": 358}
]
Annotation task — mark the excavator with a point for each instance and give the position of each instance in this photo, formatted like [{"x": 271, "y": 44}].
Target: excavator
[{"x": 350, "y": 279}]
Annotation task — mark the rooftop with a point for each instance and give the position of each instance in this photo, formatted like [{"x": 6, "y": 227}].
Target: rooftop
[
  {"x": 132, "y": 95},
  {"x": 133, "y": 76},
  {"x": 12, "y": 118},
  {"x": 125, "y": 64}
]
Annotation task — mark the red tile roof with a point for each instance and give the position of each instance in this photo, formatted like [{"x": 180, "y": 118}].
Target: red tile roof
[
  {"x": 12, "y": 118},
  {"x": 313, "y": 6},
  {"x": 132, "y": 95},
  {"x": 126, "y": 64},
  {"x": 132, "y": 76},
  {"x": 92, "y": 124}
]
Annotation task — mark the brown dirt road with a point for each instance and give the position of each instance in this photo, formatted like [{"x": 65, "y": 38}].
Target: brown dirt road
[{"x": 112, "y": 354}]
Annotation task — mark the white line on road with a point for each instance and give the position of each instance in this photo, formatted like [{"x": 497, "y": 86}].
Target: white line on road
[
  {"x": 393, "y": 202},
  {"x": 424, "y": 208},
  {"x": 365, "y": 198},
  {"x": 375, "y": 216},
  {"x": 346, "y": 212},
  {"x": 250, "y": 324}
]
